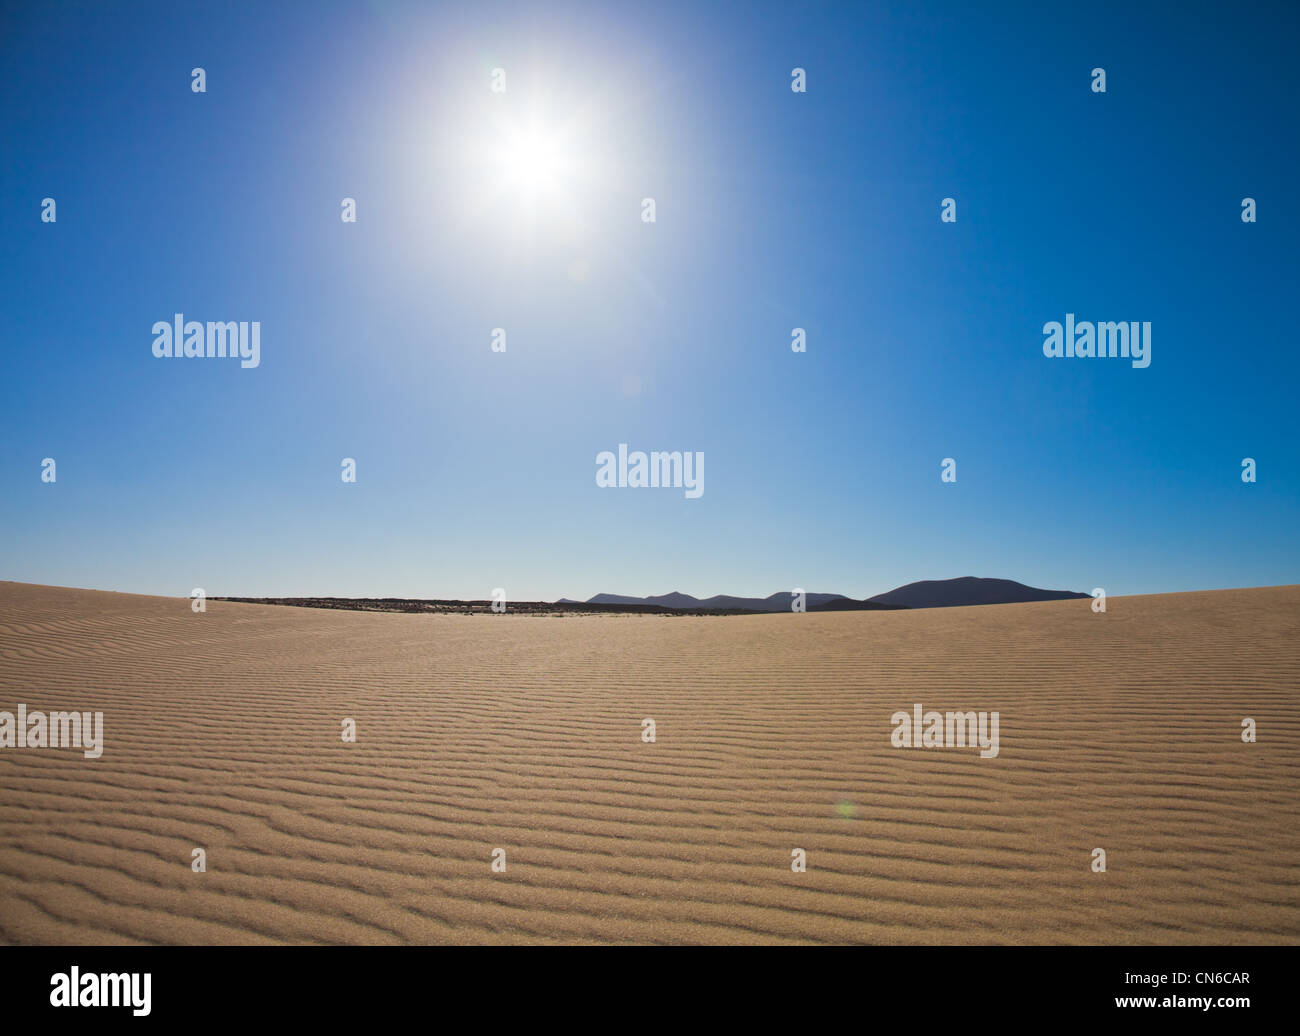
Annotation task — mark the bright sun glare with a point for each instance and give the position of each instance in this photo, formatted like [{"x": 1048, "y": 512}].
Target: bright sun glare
[
  {"x": 532, "y": 161},
  {"x": 533, "y": 172}
]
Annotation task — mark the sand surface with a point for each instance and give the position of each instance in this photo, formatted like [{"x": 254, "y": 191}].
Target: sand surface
[{"x": 1120, "y": 731}]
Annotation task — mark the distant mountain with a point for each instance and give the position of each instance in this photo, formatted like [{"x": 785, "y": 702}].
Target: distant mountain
[
  {"x": 929, "y": 593},
  {"x": 968, "y": 590}
]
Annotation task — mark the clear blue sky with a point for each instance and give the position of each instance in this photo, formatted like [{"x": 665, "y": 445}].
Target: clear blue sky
[{"x": 775, "y": 210}]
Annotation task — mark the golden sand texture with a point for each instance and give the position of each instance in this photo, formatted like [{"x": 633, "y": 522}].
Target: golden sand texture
[{"x": 222, "y": 731}]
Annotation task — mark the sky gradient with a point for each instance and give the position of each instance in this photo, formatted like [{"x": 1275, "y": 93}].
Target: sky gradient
[{"x": 774, "y": 210}]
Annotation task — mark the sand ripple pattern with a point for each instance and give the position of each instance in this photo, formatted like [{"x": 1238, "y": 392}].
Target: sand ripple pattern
[{"x": 222, "y": 731}]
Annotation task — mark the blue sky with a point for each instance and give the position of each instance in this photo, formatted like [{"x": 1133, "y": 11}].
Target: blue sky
[{"x": 774, "y": 210}]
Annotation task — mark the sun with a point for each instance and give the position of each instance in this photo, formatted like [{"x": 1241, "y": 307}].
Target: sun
[
  {"x": 532, "y": 161},
  {"x": 534, "y": 172}
]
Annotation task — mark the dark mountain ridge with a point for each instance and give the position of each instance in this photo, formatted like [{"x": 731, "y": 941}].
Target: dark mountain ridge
[{"x": 928, "y": 593}]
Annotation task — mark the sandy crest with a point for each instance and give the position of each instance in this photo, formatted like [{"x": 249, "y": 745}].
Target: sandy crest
[{"x": 1119, "y": 731}]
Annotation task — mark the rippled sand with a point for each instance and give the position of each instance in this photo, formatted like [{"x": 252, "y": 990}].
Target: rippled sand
[{"x": 1119, "y": 731}]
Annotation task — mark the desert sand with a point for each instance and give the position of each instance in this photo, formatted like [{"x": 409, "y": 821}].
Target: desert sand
[{"x": 222, "y": 731}]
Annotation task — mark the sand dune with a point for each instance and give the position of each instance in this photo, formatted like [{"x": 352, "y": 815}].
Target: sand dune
[{"x": 1119, "y": 731}]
